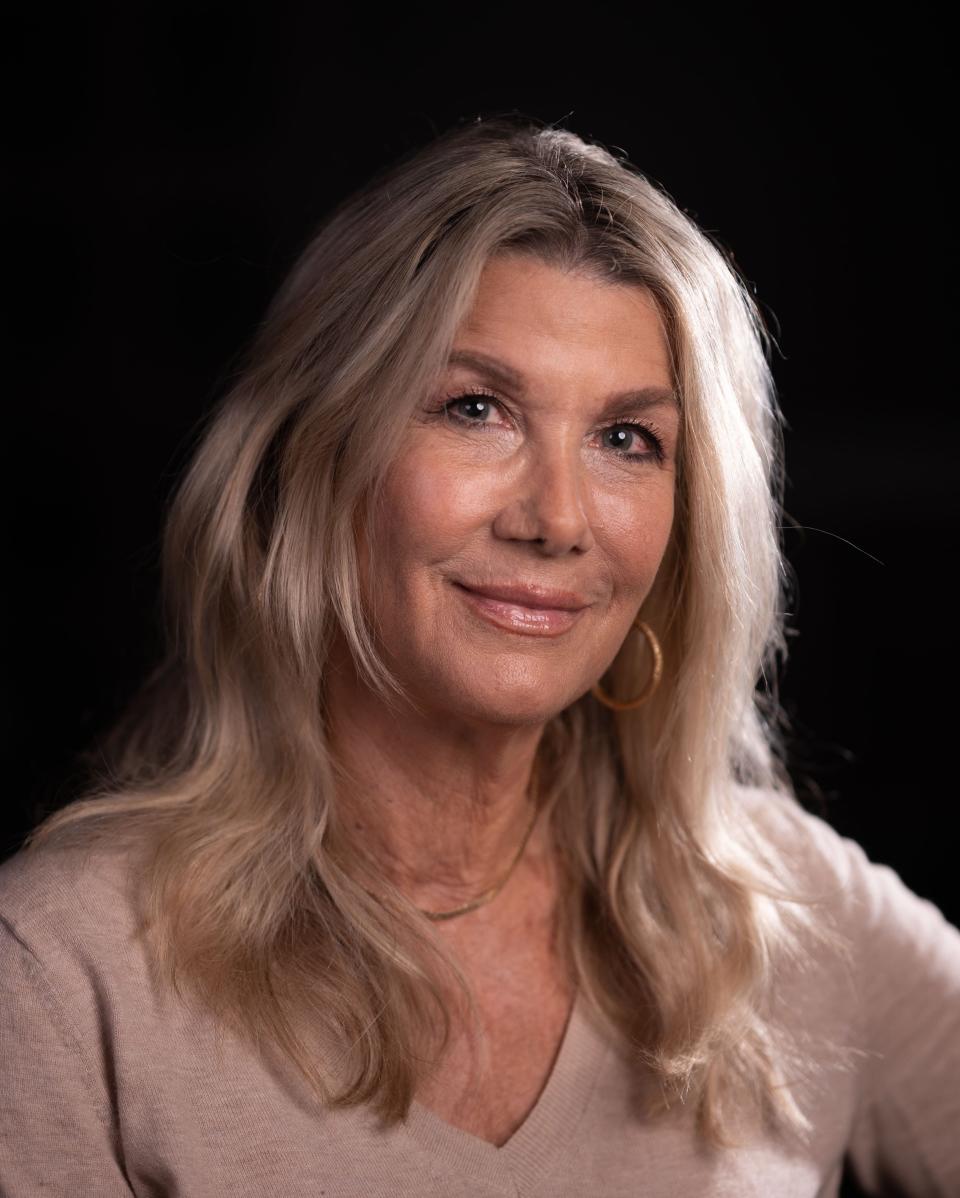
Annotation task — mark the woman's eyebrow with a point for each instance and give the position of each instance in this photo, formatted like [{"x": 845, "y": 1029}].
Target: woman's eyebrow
[{"x": 638, "y": 399}]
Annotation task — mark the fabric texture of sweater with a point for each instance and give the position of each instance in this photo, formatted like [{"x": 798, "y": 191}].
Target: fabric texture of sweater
[{"x": 109, "y": 1088}]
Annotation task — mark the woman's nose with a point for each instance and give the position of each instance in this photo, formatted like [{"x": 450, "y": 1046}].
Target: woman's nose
[{"x": 550, "y": 504}]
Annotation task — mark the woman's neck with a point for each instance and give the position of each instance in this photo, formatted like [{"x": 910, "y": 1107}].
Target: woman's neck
[{"x": 440, "y": 811}]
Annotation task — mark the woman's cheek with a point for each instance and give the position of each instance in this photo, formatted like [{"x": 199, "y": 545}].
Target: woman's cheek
[{"x": 426, "y": 500}]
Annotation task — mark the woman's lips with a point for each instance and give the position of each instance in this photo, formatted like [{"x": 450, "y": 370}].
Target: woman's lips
[{"x": 515, "y": 617}]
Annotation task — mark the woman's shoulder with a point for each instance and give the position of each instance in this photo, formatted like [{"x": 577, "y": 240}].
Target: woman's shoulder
[
  {"x": 77, "y": 975},
  {"x": 905, "y": 949},
  {"x": 68, "y": 902},
  {"x": 779, "y": 815},
  {"x": 822, "y": 859}
]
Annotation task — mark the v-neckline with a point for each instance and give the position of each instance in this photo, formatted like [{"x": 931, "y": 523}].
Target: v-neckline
[{"x": 547, "y": 1133}]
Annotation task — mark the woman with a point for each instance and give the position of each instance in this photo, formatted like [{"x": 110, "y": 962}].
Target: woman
[{"x": 451, "y": 850}]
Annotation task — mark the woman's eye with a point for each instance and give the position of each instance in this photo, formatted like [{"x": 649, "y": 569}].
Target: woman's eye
[
  {"x": 481, "y": 405},
  {"x": 621, "y": 437},
  {"x": 631, "y": 440}
]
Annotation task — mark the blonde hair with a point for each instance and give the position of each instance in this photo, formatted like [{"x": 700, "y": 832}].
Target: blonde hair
[{"x": 222, "y": 772}]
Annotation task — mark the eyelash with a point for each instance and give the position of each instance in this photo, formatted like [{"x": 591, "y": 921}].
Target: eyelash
[{"x": 656, "y": 454}]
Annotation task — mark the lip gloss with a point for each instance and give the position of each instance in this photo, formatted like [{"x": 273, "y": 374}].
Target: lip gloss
[{"x": 514, "y": 617}]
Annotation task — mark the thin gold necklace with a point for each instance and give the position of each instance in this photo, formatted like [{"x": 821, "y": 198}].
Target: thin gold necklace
[{"x": 492, "y": 893}]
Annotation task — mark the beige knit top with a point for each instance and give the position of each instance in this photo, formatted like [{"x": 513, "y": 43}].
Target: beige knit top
[{"x": 109, "y": 1088}]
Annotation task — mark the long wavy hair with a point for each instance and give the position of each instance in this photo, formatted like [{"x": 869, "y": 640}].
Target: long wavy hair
[{"x": 221, "y": 771}]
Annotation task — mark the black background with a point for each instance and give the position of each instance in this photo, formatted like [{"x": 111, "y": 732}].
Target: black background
[{"x": 168, "y": 161}]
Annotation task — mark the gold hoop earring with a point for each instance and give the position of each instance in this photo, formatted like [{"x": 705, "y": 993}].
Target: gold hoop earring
[{"x": 651, "y": 686}]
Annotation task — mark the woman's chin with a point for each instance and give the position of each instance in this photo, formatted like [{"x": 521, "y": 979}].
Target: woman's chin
[{"x": 527, "y": 703}]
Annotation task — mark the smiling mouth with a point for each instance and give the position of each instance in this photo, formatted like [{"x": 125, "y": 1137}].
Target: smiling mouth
[{"x": 512, "y": 616}]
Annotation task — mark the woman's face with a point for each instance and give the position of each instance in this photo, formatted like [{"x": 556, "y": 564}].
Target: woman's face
[{"x": 540, "y": 475}]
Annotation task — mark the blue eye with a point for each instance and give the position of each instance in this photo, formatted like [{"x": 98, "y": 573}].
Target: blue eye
[
  {"x": 636, "y": 430},
  {"x": 479, "y": 401},
  {"x": 483, "y": 400}
]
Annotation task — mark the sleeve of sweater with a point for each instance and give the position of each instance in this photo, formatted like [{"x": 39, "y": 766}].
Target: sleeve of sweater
[
  {"x": 904, "y": 1138},
  {"x": 55, "y": 1125},
  {"x": 906, "y": 1135}
]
